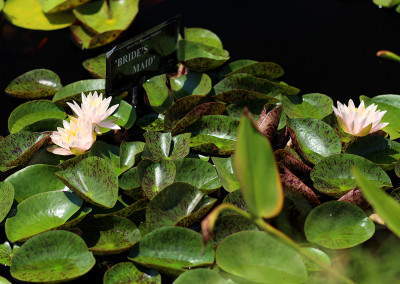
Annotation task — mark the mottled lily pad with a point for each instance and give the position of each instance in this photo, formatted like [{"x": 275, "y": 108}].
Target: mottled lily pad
[
  {"x": 240, "y": 96},
  {"x": 333, "y": 176},
  {"x": 73, "y": 91},
  {"x": 110, "y": 153},
  {"x": 87, "y": 39},
  {"x": 191, "y": 84},
  {"x": 96, "y": 66},
  {"x": 151, "y": 122},
  {"x": 338, "y": 225},
  {"x": 226, "y": 174},
  {"x": 311, "y": 105},
  {"x": 52, "y": 257},
  {"x": 172, "y": 250},
  {"x": 5, "y": 254},
  {"x": 49, "y": 124},
  {"x": 40, "y": 213},
  {"x": 266, "y": 70},
  {"x": 255, "y": 107},
  {"x": 6, "y": 198},
  {"x": 202, "y": 275},
  {"x": 125, "y": 114},
  {"x": 160, "y": 97},
  {"x": 203, "y": 36},
  {"x": 53, "y": 6},
  {"x": 126, "y": 272},
  {"x": 232, "y": 66},
  {"x": 161, "y": 146},
  {"x": 235, "y": 198},
  {"x": 322, "y": 256},
  {"x": 38, "y": 83},
  {"x": 94, "y": 180}
]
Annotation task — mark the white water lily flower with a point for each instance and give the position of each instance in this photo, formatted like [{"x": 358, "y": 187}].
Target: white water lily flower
[
  {"x": 95, "y": 109},
  {"x": 75, "y": 138},
  {"x": 359, "y": 121}
]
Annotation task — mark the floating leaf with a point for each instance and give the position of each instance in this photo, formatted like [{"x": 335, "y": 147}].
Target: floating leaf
[
  {"x": 160, "y": 97},
  {"x": 314, "y": 138},
  {"x": 226, "y": 173},
  {"x": 256, "y": 256},
  {"x": 232, "y": 66},
  {"x": 161, "y": 146},
  {"x": 246, "y": 97},
  {"x": 129, "y": 180},
  {"x": 96, "y": 66},
  {"x": 313, "y": 105},
  {"x": 332, "y": 175},
  {"x": 253, "y": 155},
  {"x": 202, "y": 36},
  {"x": 172, "y": 250},
  {"x": 125, "y": 113},
  {"x": 266, "y": 70},
  {"x": 5, "y": 254},
  {"x": 125, "y": 211},
  {"x": 322, "y": 256},
  {"x": 130, "y": 152},
  {"x": 338, "y": 225},
  {"x": 52, "y": 257},
  {"x": 6, "y": 198},
  {"x": 108, "y": 152},
  {"x": 202, "y": 275},
  {"x": 235, "y": 198},
  {"x": 151, "y": 122},
  {"x": 87, "y": 39},
  {"x": 53, "y": 6},
  {"x": 1, "y": 5},
  {"x": 29, "y": 14},
  {"x": 18, "y": 148},
  {"x": 191, "y": 84},
  {"x": 110, "y": 235},
  {"x": 73, "y": 91},
  {"x": 44, "y": 177},
  {"x": 50, "y": 124},
  {"x": 126, "y": 272},
  {"x": 81, "y": 214},
  {"x": 37, "y": 83},
  {"x": 40, "y": 213},
  {"x": 94, "y": 180}
]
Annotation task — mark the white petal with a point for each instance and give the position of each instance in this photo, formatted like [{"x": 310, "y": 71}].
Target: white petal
[
  {"x": 110, "y": 125},
  {"x": 59, "y": 151}
]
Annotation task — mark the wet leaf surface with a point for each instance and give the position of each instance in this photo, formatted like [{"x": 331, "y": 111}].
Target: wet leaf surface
[
  {"x": 313, "y": 105},
  {"x": 96, "y": 66},
  {"x": 6, "y": 198},
  {"x": 126, "y": 272},
  {"x": 191, "y": 84},
  {"x": 73, "y": 91}
]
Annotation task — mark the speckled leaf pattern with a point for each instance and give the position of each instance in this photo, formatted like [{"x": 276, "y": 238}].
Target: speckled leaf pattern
[
  {"x": 5, "y": 254},
  {"x": 338, "y": 225},
  {"x": 204, "y": 36},
  {"x": 52, "y": 257},
  {"x": 202, "y": 275},
  {"x": 73, "y": 91},
  {"x": 191, "y": 84},
  {"x": 245, "y": 96},
  {"x": 87, "y": 40},
  {"x": 81, "y": 214},
  {"x": 155, "y": 176},
  {"x": 96, "y": 66},
  {"x": 180, "y": 146},
  {"x": 333, "y": 176},
  {"x": 94, "y": 180},
  {"x": 19, "y": 147},
  {"x": 126, "y": 211},
  {"x": 53, "y": 6},
  {"x": 235, "y": 198},
  {"x": 110, "y": 235},
  {"x": 38, "y": 83},
  {"x": 198, "y": 173},
  {"x": 126, "y": 272},
  {"x": 313, "y": 105},
  {"x": 226, "y": 174},
  {"x": 158, "y": 94},
  {"x": 232, "y": 66},
  {"x": 40, "y": 213},
  {"x": 172, "y": 250},
  {"x": 268, "y": 121},
  {"x": 179, "y": 203},
  {"x": 129, "y": 180},
  {"x": 313, "y": 138},
  {"x": 44, "y": 177},
  {"x": 6, "y": 198},
  {"x": 72, "y": 162},
  {"x": 110, "y": 153},
  {"x": 266, "y": 70},
  {"x": 290, "y": 162},
  {"x": 158, "y": 145},
  {"x": 255, "y": 107},
  {"x": 356, "y": 197},
  {"x": 379, "y": 150},
  {"x": 130, "y": 153},
  {"x": 151, "y": 122}
]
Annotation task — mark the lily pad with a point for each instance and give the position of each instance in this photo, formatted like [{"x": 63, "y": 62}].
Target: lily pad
[
  {"x": 178, "y": 204},
  {"x": 256, "y": 256},
  {"x": 110, "y": 153},
  {"x": 161, "y": 146},
  {"x": 160, "y": 97},
  {"x": 226, "y": 173},
  {"x": 96, "y": 66},
  {"x": 5, "y": 254},
  {"x": 86, "y": 39},
  {"x": 172, "y": 250},
  {"x": 50, "y": 124},
  {"x": 198, "y": 173},
  {"x": 130, "y": 153},
  {"x": 240, "y": 96},
  {"x": 202, "y": 275},
  {"x": 94, "y": 180},
  {"x": 37, "y": 83},
  {"x": 255, "y": 107},
  {"x": 191, "y": 84},
  {"x": 125, "y": 113},
  {"x": 53, "y": 6},
  {"x": 129, "y": 180},
  {"x": 126, "y": 272},
  {"x": 333, "y": 176},
  {"x": 266, "y": 70},
  {"x": 40, "y": 213},
  {"x": 313, "y": 138},
  {"x": 203, "y": 36},
  {"x": 232, "y": 66},
  {"x": 19, "y": 147},
  {"x": 51, "y": 257},
  {"x": 313, "y": 105},
  {"x": 44, "y": 177},
  {"x": 235, "y": 198},
  {"x": 151, "y": 122},
  {"x": 6, "y": 198},
  {"x": 338, "y": 225},
  {"x": 73, "y": 91},
  {"x": 28, "y": 14},
  {"x": 322, "y": 256},
  {"x": 110, "y": 235}
]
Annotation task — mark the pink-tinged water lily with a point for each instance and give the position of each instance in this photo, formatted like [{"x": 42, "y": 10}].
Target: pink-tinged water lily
[
  {"x": 359, "y": 121},
  {"x": 95, "y": 109},
  {"x": 75, "y": 138}
]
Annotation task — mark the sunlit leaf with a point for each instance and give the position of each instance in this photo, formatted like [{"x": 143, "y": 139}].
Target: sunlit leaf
[
  {"x": 74, "y": 90},
  {"x": 191, "y": 84},
  {"x": 6, "y": 198},
  {"x": 53, "y": 6},
  {"x": 126, "y": 272},
  {"x": 96, "y": 66}
]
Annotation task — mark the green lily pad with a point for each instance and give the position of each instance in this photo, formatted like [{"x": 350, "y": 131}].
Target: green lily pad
[
  {"x": 155, "y": 176},
  {"x": 6, "y": 198},
  {"x": 226, "y": 173},
  {"x": 73, "y": 91},
  {"x": 50, "y": 124},
  {"x": 202, "y": 36},
  {"x": 94, "y": 180},
  {"x": 130, "y": 153},
  {"x": 266, "y": 70},
  {"x": 126, "y": 272},
  {"x": 172, "y": 250},
  {"x": 214, "y": 134},
  {"x": 256, "y": 256},
  {"x": 255, "y": 107},
  {"x": 151, "y": 122},
  {"x": 338, "y": 225},
  {"x": 42, "y": 156},
  {"x": 44, "y": 177},
  {"x": 28, "y": 14},
  {"x": 313, "y": 138},
  {"x": 81, "y": 214},
  {"x": 53, "y": 6},
  {"x": 313, "y": 105},
  {"x": 96, "y": 66},
  {"x": 232, "y": 66},
  {"x": 235, "y": 198},
  {"x": 1, "y": 5},
  {"x": 158, "y": 94},
  {"x": 129, "y": 180},
  {"x": 34, "y": 84},
  {"x": 379, "y": 150},
  {"x": 322, "y": 256},
  {"x": 34, "y": 111},
  {"x": 72, "y": 162},
  {"x": 332, "y": 175},
  {"x": 202, "y": 275},
  {"x": 5, "y": 254},
  {"x": 126, "y": 211},
  {"x": 178, "y": 204},
  {"x": 240, "y": 96},
  {"x": 125, "y": 114},
  {"x": 108, "y": 152},
  {"x": 18, "y": 148},
  {"x": 40, "y": 213},
  {"x": 198, "y": 173},
  {"x": 52, "y": 257},
  {"x": 191, "y": 84},
  {"x": 161, "y": 146},
  {"x": 110, "y": 235}
]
